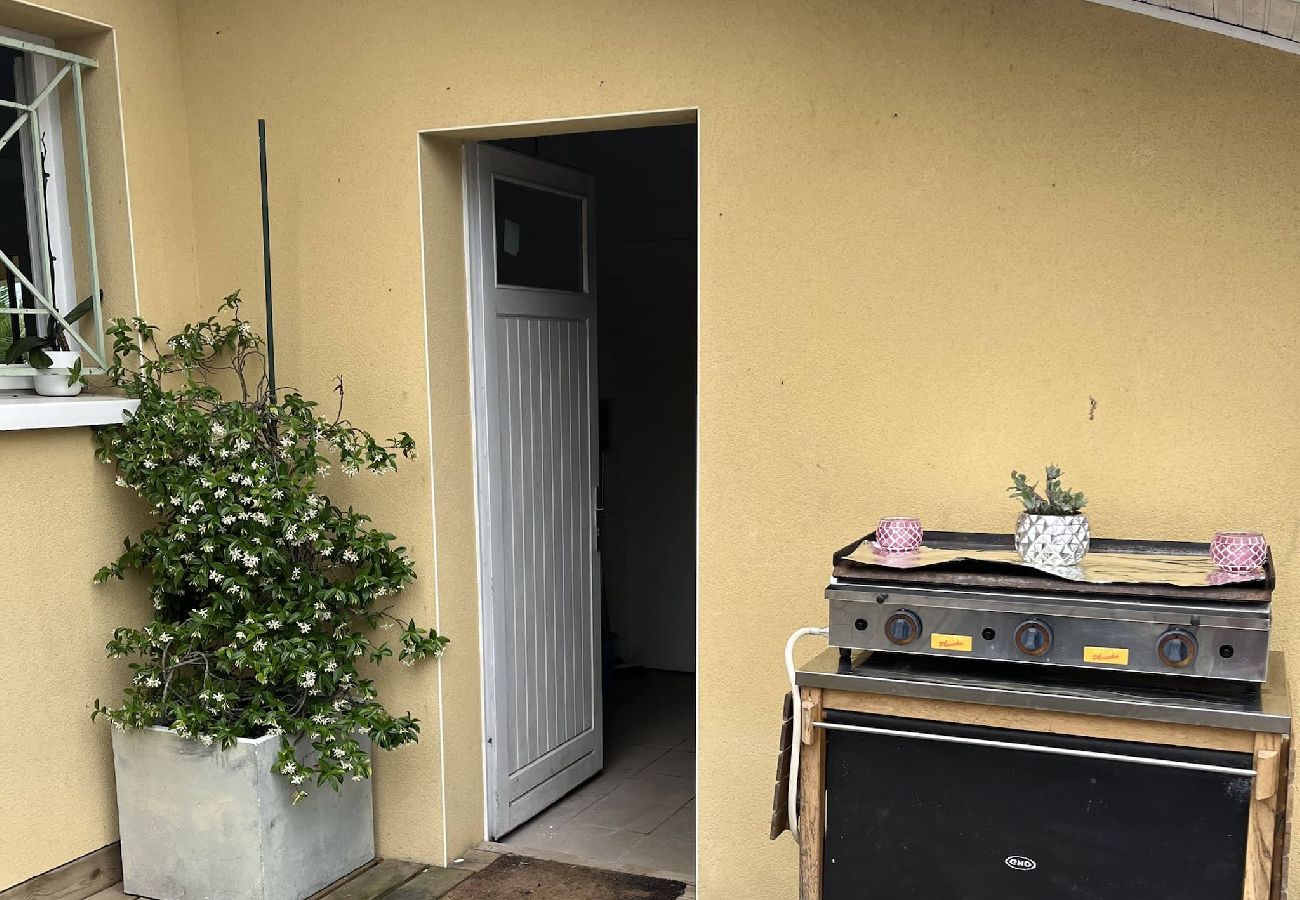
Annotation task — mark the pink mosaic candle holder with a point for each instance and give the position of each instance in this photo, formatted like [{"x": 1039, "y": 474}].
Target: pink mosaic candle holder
[
  {"x": 899, "y": 534},
  {"x": 1239, "y": 551}
]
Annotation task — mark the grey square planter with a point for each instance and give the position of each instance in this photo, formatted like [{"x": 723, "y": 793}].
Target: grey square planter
[{"x": 202, "y": 823}]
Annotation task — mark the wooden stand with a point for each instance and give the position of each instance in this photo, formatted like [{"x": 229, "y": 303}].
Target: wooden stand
[{"x": 1265, "y": 849}]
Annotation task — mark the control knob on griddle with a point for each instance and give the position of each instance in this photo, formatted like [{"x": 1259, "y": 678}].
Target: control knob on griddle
[
  {"x": 903, "y": 627},
  {"x": 1033, "y": 637},
  {"x": 1176, "y": 648}
]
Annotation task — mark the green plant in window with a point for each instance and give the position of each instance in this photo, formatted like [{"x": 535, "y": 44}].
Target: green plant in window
[
  {"x": 32, "y": 348},
  {"x": 266, "y": 595}
]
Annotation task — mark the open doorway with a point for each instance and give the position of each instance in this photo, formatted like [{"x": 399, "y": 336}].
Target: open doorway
[{"x": 584, "y": 254}]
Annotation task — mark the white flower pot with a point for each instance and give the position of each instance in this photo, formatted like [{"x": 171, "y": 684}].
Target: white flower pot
[
  {"x": 1052, "y": 540},
  {"x": 55, "y": 384},
  {"x": 202, "y": 823}
]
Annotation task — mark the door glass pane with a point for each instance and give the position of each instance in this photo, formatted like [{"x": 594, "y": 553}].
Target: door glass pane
[{"x": 539, "y": 237}]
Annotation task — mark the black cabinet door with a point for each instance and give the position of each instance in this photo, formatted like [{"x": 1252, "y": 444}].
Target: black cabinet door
[{"x": 908, "y": 816}]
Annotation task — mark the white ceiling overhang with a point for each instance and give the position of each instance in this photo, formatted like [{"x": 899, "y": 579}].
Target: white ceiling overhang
[{"x": 1274, "y": 23}]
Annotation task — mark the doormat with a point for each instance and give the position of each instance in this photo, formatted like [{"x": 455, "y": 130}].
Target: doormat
[{"x": 511, "y": 876}]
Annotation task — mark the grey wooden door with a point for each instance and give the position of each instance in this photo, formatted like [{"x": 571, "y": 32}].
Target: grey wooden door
[{"x": 534, "y": 333}]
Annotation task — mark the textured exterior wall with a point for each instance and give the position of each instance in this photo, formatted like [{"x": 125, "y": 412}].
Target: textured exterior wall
[
  {"x": 60, "y": 515},
  {"x": 929, "y": 234}
]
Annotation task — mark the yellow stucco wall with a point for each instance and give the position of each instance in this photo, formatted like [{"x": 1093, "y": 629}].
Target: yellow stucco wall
[
  {"x": 930, "y": 232},
  {"x": 62, "y": 517}
]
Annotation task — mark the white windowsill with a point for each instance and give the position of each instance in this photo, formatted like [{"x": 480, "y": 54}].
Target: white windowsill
[{"x": 20, "y": 410}]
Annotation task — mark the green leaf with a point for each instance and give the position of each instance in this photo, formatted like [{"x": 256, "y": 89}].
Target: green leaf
[
  {"x": 38, "y": 359},
  {"x": 80, "y": 309},
  {"x": 74, "y": 374},
  {"x": 19, "y": 348}
]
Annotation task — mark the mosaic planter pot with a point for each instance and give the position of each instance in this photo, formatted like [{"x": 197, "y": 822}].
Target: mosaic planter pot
[
  {"x": 1052, "y": 540},
  {"x": 1239, "y": 551},
  {"x": 202, "y": 823},
  {"x": 899, "y": 534}
]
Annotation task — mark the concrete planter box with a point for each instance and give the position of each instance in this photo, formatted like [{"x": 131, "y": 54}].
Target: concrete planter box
[{"x": 202, "y": 823}]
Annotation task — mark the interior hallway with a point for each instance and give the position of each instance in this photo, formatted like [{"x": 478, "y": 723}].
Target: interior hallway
[{"x": 639, "y": 813}]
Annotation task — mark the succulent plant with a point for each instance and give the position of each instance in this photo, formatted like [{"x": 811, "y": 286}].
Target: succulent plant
[{"x": 1058, "y": 502}]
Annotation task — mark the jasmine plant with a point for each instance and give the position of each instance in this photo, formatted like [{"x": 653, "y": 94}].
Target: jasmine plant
[{"x": 266, "y": 595}]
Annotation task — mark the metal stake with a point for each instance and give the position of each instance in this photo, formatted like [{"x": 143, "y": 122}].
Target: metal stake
[{"x": 266, "y": 261}]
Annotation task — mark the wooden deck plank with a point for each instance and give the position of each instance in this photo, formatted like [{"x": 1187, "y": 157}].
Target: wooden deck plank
[
  {"x": 75, "y": 880},
  {"x": 110, "y": 893},
  {"x": 378, "y": 880},
  {"x": 334, "y": 886},
  {"x": 429, "y": 884}
]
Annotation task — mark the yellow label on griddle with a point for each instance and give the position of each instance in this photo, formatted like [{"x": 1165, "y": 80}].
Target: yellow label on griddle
[
  {"x": 1110, "y": 656},
  {"x": 960, "y": 642}
]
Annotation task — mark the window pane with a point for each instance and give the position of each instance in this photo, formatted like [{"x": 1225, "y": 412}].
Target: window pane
[
  {"x": 539, "y": 237},
  {"x": 15, "y": 240}
]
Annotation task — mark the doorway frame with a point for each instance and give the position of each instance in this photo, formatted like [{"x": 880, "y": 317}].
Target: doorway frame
[{"x": 461, "y": 136}]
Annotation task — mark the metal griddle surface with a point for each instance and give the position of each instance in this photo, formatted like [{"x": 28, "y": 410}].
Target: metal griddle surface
[{"x": 985, "y": 576}]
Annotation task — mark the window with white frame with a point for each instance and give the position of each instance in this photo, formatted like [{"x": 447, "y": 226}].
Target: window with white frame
[{"x": 40, "y": 285}]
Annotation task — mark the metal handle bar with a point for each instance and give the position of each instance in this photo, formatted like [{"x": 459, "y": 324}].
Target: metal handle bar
[{"x": 1034, "y": 748}]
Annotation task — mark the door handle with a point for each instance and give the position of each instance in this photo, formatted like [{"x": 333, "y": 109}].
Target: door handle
[{"x": 1035, "y": 748}]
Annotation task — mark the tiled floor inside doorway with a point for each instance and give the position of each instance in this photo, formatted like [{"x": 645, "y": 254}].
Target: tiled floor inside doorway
[{"x": 639, "y": 813}]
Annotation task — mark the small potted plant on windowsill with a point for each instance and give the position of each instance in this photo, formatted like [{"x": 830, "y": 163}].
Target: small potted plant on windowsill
[
  {"x": 53, "y": 352},
  {"x": 1051, "y": 531},
  {"x": 242, "y": 745}
]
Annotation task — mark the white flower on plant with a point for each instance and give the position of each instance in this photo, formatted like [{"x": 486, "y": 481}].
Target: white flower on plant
[
  {"x": 121, "y": 482},
  {"x": 274, "y": 624},
  {"x": 331, "y": 666},
  {"x": 149, "y": 464},
  {"x": 277, "y": 494},
  {"x": 196, "y": 506},
  {"x": 176, "y": 501},
  {"x": 184, "y": 520},
  {"x": 357, "y": 778},
  {"x": 297, "y": 779},
  {"x": 347, "y": 766},
  {"x": 259, "y": 645},
  {"x": 206, "y": 739},
  {"x": 192, "y": 460},
  {"x": 350, "y": 555},
  {"x": 217, "y": 431},
  {"x": 241, "y": 445},
  {"x": 286, "y": 442},
  {"x": 218, "y": 697},
  {"x": 307, "y": 679},
  {"x": 304, "y": 627},
  {"x": 327, "y": 550},
  {"x": 227, "y": 520},
  {"x": 350, "y": 469},
  {"x": 164, "y": 638},
  {"x": 239, "y": 635},
  {"x": 288, "y": 768},
  {"x": 219, "y": 493},
  {"x": 297, "y": 571},
  {"x": 338, "y": 753},
  {"x": 201, "y": 613},
  {"x": 232, "y": 588},
  {"x": 233, "y": 478},
  {"x": 207, "y": 547}
]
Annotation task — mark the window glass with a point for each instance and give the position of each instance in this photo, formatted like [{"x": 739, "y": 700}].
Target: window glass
[
  {"x": 14, "y": 238},
  {"x": 539, "y": 237}
]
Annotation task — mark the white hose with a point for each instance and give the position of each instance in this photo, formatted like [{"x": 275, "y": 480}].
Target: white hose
[{"x": 793, "y": 811}]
